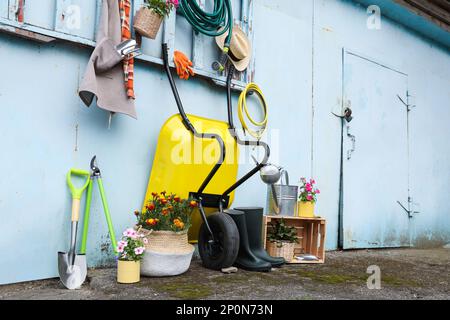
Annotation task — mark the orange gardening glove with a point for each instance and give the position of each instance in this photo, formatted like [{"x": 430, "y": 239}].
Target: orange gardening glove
[{"x": 183, "y": 65}]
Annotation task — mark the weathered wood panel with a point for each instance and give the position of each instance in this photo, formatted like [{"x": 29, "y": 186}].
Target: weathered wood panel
[
  {"x": 40, "y": 13},
  {"x": 4, "y": 9},
  {"x": 76, "y": 17}
]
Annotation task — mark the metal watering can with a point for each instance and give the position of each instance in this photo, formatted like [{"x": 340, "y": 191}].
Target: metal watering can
[{"x": 281, "y": 198}]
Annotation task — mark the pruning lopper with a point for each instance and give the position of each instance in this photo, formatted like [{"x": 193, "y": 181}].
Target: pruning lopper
[{"x": 96, "y": 175}]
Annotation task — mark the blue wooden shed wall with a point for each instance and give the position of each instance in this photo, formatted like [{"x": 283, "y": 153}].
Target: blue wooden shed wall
[{"x": 45, "y": 129}]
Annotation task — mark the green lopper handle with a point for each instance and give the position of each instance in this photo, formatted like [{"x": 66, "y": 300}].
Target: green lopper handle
[{"x": 77, "y": 193}]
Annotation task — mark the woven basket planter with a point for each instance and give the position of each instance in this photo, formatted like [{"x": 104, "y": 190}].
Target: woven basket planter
[
  {"x": 167, "y": 253},
  {"x": 281, "y": 249},
  {"x": 147, "y": 23}
]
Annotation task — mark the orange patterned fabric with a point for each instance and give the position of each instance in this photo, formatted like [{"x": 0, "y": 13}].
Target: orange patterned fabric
[{"x": 128, "y": 64}]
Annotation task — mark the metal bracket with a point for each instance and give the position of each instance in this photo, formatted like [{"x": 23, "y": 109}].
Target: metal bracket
[{"x": 211, "y": 200}]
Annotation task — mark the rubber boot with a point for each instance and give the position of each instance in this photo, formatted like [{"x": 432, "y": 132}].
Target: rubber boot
[
  {"x": 254, "y": 219},
  {"x": 246, "y": 259}
]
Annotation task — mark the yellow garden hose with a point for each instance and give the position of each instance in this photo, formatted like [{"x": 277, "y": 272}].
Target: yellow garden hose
[{"x": 242, "y": 108}]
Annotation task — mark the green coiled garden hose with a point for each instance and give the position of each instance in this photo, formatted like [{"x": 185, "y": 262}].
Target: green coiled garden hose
[{"x": 213, "y": 24}]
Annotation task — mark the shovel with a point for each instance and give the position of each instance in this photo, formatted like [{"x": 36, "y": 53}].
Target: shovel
[{"x": 73, "y": 267}]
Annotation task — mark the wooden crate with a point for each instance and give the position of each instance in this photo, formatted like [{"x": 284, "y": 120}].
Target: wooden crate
[{"x": 311, "y": 233}]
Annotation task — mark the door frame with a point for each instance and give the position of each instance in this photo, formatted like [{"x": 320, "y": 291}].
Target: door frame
[{"x": 346, "y": 51}]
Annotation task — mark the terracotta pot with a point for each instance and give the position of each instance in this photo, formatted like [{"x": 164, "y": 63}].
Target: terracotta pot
[
  {"x": 147, "y": 23},
  {"x": 305, "y": 209},
  {"x": 128, "y": 271}
]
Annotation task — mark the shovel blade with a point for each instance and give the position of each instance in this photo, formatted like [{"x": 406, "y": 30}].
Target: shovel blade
[{"x": 72, "y": 276}]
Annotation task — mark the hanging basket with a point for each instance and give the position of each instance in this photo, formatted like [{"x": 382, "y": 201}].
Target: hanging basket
[
  {"x": 281, "y": 249},
  {"x": 147, "y": 23}
]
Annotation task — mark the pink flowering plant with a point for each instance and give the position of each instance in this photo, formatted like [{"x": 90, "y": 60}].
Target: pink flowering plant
[
  {"x": 308, "y": 190},
  {"x": 161, "y": 7},
  {"x": 132, "y": 246}
]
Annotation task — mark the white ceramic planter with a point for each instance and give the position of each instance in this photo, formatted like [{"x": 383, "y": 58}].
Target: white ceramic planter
[{"x": 156, "y": 264}]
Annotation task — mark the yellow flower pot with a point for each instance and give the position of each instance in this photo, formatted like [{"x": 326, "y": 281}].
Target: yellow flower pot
[
  {"x": 128, "y": 271},
  {"x": 305, "y": 209}
]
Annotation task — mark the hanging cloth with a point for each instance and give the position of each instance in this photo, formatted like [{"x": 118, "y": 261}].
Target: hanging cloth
[{"x": 104, "y": 75}]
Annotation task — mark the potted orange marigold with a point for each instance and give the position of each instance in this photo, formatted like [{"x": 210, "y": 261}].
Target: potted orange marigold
[{"x": 165, "y": 222}]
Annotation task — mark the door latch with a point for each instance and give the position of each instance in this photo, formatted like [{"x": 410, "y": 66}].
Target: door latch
[
  {"x": 353, "y": 139},
  {"x": 348, "y": 115}
]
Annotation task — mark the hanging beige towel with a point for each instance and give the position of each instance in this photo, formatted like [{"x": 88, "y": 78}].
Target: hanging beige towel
[{"x": 103, "y": 78}]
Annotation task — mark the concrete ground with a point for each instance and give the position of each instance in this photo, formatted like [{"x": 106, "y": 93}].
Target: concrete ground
[{"x": 405, "y": 274}]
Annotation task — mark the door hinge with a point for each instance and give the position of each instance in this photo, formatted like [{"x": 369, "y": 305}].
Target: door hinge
[
  {"x": 411, "y": 204},
  {"x": 409, "y": 106}
]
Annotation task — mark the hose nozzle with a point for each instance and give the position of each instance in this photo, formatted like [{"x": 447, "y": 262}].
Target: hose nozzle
[{"x": 219, "y": 65}]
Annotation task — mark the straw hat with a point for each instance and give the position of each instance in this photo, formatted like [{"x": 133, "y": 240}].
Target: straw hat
[{"x": 240, "y": 48}]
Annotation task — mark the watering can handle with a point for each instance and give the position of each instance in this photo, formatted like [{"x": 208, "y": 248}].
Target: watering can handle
[{"x": 285, "y": 174}]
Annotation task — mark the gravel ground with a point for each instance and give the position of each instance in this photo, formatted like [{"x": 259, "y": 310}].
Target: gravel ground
[{"x": 405, "y": 274}]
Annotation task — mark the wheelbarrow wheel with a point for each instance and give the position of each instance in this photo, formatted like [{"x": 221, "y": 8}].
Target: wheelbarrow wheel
[{"x": 221, "y": 253}]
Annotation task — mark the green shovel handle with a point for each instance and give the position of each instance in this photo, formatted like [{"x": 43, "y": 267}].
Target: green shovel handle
[{"x": 77, "y": 193}]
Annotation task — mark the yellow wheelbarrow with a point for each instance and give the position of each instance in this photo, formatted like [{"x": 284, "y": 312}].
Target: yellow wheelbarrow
[{"x": 198, "y": 157}]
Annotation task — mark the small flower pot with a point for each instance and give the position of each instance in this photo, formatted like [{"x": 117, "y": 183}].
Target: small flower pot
[
  {"x": 305, "y": 209},
  {"x": 281, "y": 249},
  {"x": 147, "y": 23},
  {"x": 128, "y": 272}
]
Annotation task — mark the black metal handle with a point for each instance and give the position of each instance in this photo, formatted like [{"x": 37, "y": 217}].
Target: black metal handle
[
  {"x": 233, "y": 132},
  {"x": 176, "y": 95},
  {"x": 189, "y": 125}
]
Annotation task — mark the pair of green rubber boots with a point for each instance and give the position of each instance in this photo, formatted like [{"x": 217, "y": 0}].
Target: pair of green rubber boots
[{"x": 252, "y": 255}]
